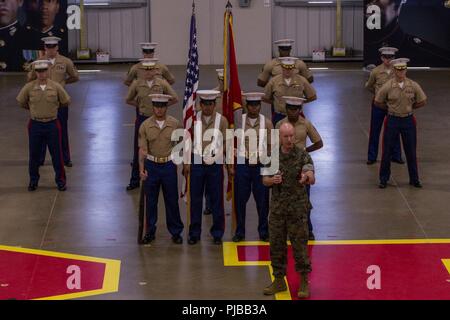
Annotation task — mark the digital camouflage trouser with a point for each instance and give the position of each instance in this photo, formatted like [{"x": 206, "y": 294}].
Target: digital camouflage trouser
[{"x": 284, "y": 224}]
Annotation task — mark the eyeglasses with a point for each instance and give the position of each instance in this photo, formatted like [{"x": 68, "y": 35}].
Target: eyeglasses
[{"x": 401, "y": 68}]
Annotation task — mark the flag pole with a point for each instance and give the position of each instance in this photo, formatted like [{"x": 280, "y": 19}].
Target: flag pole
[
  {"x": 191, "y": 85},
  {"x": 227, "y": 99}
]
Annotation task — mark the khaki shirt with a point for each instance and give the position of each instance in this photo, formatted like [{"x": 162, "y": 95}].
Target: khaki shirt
[
  {"x": 277, "y": 88},
  {"x": 43, "y": 104},
  {"x": 157, "y": 141},
  {"x": 400, "y": 101},
  {"x": 223, "y": 126},
  {"x": 303, "y": 129},
  {"x": 267, "y": 125},
  {"x": 274, "y": 68},
  {"x": 140, "y": 91},
  {"x": 137, "y": 73},
  {"x": 59, "y": 71},
  {"x": 379, "y": 76}
]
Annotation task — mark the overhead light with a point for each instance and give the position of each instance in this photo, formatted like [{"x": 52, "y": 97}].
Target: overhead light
[
  {"x": 419, "y": 68},
  {"x": 320, "y": 2},
  {"x": 97, "y": 4},
  {"x": 321, "y": 68},
  {"x": 89, "y": 71}
]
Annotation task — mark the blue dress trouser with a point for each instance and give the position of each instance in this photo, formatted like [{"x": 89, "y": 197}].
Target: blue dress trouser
[
  {"x": 208, "y": 177},
  {"x": 135, "y": 178},
  {"x": 406, "y": 128},
  {"x": 41, "y": 134},
  {"x": 63, "y": 117},
  {"x": 376, "y": 123},
  {"x": 162, "y": 175},
  {"x": 248, "y": 180}
]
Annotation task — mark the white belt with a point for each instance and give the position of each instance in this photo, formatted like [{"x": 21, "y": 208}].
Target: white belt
[{"x": 159, "y": 159}]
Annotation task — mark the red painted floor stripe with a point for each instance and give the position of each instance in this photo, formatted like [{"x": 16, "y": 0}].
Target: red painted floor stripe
[{"x": 408, "y": 271}]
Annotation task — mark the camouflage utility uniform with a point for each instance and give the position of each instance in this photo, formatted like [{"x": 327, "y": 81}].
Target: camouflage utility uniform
[{"x": 288, "y": 214}]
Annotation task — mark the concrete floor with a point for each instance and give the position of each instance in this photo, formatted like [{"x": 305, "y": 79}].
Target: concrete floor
[{"x": 97, "y": 217}]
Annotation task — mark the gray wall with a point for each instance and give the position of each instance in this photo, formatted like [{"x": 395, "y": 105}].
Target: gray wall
[
  {"x": 117, "y": 31},
  {"x": 315, "y": 28},
  {"x": 170, "y": 27},
  {"x": 120, "y": 30}
]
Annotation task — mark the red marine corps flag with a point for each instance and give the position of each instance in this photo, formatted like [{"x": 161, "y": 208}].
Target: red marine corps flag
[{"x": 232, "y": 98}]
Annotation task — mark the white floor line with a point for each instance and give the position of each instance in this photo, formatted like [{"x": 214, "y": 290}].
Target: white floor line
[{"x": 48, "y": 221}]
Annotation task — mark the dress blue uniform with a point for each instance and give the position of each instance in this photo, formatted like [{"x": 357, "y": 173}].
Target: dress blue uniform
[
  {"x": 379, "y": 76},
  {"x": 248, "y": 177},
  {"x": 401, "y": 95},
  {"x": 43, "y": 97},
  {"x": 206, "y": 172},
  {"x": 155, "y": 140}
]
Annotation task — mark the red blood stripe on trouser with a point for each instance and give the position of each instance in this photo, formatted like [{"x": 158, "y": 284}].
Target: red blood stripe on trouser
[
  {"x": 63, "y": 175},
  {"x": 415, "y": 151},
  {"x": 382, "y": 140}
]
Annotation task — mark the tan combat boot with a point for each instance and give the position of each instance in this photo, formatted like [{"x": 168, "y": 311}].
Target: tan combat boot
[
  {"x": 278, "y": 285},
  {"x": 303, "y": 290}
]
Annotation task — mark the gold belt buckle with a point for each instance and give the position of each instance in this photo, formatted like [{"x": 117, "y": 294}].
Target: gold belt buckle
[{"x": 161, "y": 160}]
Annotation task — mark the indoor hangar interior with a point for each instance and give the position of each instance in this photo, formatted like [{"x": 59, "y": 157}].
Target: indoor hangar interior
[{"x": 93, "y": 204}]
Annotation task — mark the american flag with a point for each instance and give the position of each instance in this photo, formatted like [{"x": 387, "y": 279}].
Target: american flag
[
  {"x": 192, "y": 74},
  {"x": 191, "y": 86}
]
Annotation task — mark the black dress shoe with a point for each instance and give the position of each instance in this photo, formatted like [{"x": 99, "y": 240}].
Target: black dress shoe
[
  {"x": 399, "y": 161},
  {"x": 237, "y": 238},
  {"x": 132, "y": 186},
  {"x": 311, "y": 236},
  {"x": 207, "y": 212},
  {"x": 177, "y": 239},
  {"x": 68, "y": 164},
  {"x": 382, "y": 185},
  {"x": 217, "y": 241},
  {"x": 416, "y": 184},
  {"x": 62, "y": 187},
  {"x": 264, "y": 238},
  {"x": 148, "y": 239},
  {"x": 369, "y": 162},
  {"x": 32, "y": 186},
  {"x": 192, "y": 240}
]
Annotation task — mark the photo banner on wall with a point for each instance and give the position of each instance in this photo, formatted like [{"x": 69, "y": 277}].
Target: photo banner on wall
[
  {"x": 420, "y": 29},
  {"x": 23, "y": 23}
]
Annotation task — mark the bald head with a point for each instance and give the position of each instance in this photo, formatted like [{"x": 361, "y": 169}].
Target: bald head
[{"x": 287, "y": 136}]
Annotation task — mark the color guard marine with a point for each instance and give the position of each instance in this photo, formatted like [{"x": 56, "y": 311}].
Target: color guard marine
[
  {"x": 248, "y": 177},
  {"x": 157, "y": 169}
]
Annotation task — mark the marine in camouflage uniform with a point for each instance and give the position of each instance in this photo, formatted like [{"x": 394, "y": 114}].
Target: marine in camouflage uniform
[
  {"x": 289, "y": 214},
  {"x": 289, "y": 217}
]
